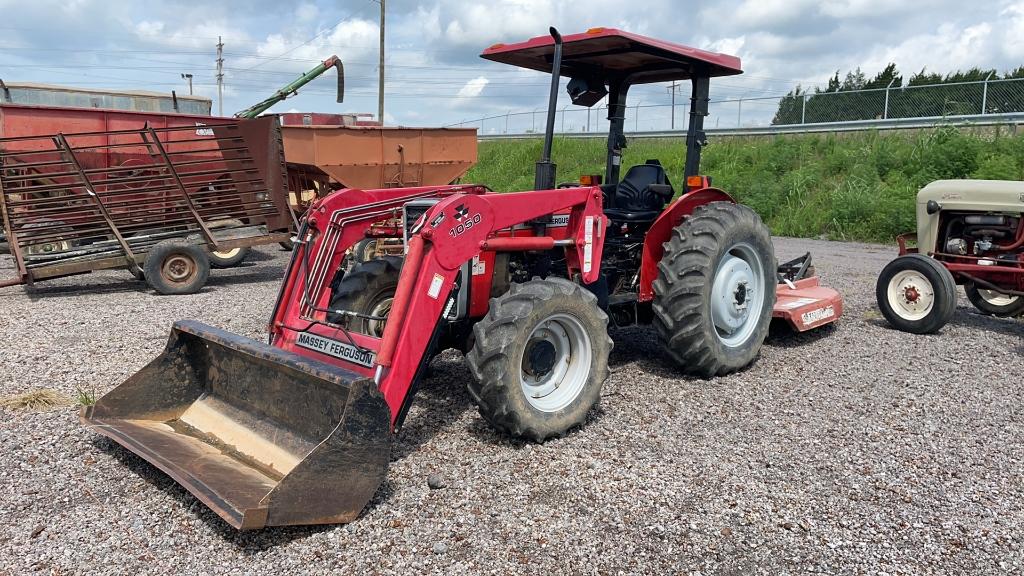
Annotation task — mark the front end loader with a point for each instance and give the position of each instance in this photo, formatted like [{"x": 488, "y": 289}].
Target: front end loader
[{"x": 297, "y": 431}]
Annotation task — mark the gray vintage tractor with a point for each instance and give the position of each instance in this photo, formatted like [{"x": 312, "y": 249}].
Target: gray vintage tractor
[{"x": 969, "y": 232}]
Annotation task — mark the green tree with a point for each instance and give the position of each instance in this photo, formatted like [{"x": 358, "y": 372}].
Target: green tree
[
  {"x": 925, "y": 94},
  {"x": 790, "y": 108}
]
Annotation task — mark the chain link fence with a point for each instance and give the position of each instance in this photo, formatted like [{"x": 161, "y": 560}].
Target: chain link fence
[{"x": 954, "y": 100}]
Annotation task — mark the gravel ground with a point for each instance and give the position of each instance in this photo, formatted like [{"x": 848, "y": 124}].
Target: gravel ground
[{"x": 857, "y": 450}]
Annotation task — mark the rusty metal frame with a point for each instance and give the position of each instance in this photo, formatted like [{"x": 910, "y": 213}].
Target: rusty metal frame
[
  {"x": 87, "y": 184},
  {"x": 12, "y": 241},
  {"x": 87, "y": 200},
  {"x": 177, "y": 180}
]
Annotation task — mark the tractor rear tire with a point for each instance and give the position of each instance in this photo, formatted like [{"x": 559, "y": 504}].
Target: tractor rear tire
[
  {"x": 175, "y": 267},
  {"x": 539, "y": 359},
  {"x": 916, "y": 294},
  {"x": 368, "y": 289},
  {"x": 994, "y": 303},
  {"x": 715, "y": 290}
]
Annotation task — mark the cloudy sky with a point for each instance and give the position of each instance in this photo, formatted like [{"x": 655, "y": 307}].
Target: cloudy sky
[{"x": 434, "y": 74}]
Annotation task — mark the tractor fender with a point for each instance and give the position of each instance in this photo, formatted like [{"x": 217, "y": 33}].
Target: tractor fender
[{"x": 661, "y": 229}]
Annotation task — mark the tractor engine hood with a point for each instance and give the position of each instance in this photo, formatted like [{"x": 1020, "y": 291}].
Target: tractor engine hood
[{"x": 965, "y": 196}]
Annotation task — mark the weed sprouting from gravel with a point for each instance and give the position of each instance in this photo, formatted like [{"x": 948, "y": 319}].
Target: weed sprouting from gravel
[
  {"x": 85, "y": 397},
  {"x": 36, "y": 400}
]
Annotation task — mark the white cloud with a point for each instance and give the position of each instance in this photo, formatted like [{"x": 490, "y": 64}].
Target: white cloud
[
  {"x": 473, "y": 88},
  {"x": 765, "y": 13},
  {"x": 432, "y": 45},
  {"x": 946, "y": 49},
  {"x": 479, "y": 24},
  {"x": 357, "y": 36},
  {"x": 862, "y": 8},
  {"x": 733, "y": 46},
  {"x": 1012, "y": 27},
  {"x": 307, "y": 12}
]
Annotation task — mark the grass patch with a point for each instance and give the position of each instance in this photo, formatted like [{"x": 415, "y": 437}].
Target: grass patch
[
  {"x": 35, "y": 400},
  {"x": 856, "y": 186},
  {"x": 85, "y": 397}
]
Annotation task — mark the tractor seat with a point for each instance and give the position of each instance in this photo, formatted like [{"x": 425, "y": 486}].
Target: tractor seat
[{"x": 641, "y": 195}]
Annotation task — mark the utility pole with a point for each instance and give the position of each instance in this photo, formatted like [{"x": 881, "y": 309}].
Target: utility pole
[
  {"x": 380, "y": 81},
  {"x": 220, "y": 77},
  {"x": 189, "y": 78},
  {"x": 672, "y": 90}
]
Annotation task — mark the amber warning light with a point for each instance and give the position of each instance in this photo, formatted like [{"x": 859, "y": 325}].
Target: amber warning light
[{"x": 695, "y": 182}]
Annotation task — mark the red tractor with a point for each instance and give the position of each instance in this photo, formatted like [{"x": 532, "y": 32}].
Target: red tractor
[{"x": 298, "y": 431}]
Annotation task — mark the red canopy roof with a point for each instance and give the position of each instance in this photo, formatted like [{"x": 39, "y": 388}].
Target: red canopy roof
[{"x": 608, "y": 53}]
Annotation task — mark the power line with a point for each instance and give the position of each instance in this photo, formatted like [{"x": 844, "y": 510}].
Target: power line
[{"x": 293, "y": 49}]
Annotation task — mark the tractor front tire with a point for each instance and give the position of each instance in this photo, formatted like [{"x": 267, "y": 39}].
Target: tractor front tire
[
  {"x": 916, "y": 294},
  {"x": 368, "y": 289},
  {"x": 994, "y": 303},
  {"x": 539, "y": 359},
  {"x": 715, "y": 290},
  {"x": 175, "y": 267}
]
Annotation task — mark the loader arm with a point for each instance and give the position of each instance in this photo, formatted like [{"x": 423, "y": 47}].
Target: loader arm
[{"x": 455, "y": 230}]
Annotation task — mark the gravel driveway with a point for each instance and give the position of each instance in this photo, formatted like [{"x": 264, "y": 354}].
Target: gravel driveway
[{"x": 857, "y": 450}]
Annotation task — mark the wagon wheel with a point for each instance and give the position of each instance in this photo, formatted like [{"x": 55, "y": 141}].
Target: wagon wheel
[{"x": 176, "y": 267}]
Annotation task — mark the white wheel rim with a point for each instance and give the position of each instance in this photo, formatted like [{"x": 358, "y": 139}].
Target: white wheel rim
[
  {"x": 564, "y": 338},
  {"x": 997, "y": 298},
  {"x": 736, "y": 298},
  {"x": 228, "y": 253},
  {"x": 911, "y": 295}
]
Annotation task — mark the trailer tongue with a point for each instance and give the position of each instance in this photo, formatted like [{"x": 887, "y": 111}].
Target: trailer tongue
[{"x": 262, "y": 436}]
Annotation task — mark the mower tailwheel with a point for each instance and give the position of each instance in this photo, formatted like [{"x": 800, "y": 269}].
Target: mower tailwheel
[
  {"x": 368, "y": 291},
  {"x": 539, "y": 359},
  {"x": 916, "y": 294},
  {"x": 994, "y": 303},
  {"x": 715, "y": 290}
]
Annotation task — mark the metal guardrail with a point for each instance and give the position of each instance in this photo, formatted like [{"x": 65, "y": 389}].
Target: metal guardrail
[{"x": 820, "y": 127}]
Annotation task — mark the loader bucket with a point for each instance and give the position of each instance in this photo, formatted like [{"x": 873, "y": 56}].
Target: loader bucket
[{"x": 262, "y": 436}]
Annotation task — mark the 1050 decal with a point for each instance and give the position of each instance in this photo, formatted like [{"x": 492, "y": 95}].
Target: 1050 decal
[{"x": 463, "y": 221}]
